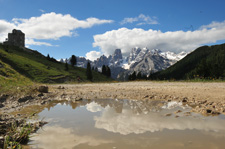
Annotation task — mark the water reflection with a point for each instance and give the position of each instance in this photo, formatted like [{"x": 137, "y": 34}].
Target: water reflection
[
  {"x": 127, "y": 123},
  {"x": 64, "y": 138}
]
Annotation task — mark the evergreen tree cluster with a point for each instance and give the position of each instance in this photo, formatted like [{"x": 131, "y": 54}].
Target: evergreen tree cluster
[
  {"x": 137, "y": 76},
  {"x": 51, "y": 59},
  {"x": 95, "y": 69},
  {"x": 106, "y": 71}
]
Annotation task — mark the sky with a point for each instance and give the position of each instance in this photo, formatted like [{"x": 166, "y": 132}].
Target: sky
[{"x": 91, "y": 28}]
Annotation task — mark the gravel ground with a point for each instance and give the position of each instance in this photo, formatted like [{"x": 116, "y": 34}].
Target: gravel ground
[{"x": 208, "y": 98}]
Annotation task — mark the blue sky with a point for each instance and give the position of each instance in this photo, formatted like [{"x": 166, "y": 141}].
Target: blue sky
[{"x": 95, "y": 27}]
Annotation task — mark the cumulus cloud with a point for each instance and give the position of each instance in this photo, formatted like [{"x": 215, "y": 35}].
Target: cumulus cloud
[
  {"x": 214, "y": 24},
  {"x": 49, "y": 25},
  {"x": 5, "y": 27},
  {"x": 175, "y": 41},
  {"x": 142, "y": 19},
  {"x": 93, "y": 55}
]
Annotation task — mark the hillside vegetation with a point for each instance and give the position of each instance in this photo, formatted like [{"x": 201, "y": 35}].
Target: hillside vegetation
[
  {"x": 207, "y": 62},
  {"x": 10, "y": 80},
  {"x": 31, "y": 65}
]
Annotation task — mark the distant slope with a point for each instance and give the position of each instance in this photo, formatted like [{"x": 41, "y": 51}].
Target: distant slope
[
  {"x": 204, "y": 62},
  {"x": 38, "y": 68}
]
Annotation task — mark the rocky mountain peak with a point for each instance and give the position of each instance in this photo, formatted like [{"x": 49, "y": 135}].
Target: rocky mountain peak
[
  {"x": 103, "y": 60},
  {"x": 133, "y": 54},
  {"x": 117, "y": 54}
]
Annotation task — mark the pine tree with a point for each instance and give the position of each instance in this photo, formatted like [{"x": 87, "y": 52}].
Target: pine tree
[
  {"x": 139, "y": 76},
  {"x": 66, "y": 66},
  {"x": 89, "y": 72},
  {"x": 48, "y": 57},
  {"x": 108, "y": 71},
  {"x": 103, "y": 70},
  {"x": 133, "y": 76},
  {"x": 73, "y": 60}
]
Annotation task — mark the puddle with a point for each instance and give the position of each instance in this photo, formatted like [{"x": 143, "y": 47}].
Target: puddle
[{"x": 119, "y": 124}]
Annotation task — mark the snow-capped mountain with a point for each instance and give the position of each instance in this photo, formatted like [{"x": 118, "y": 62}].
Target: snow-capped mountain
[
  {"x": 173, "y": 56},
  {"x": 159, "y": 60},
  {"x": 139, "y": 60}
]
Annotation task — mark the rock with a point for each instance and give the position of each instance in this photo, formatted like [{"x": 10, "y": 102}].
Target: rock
[
  {"x": 43, "y": 102},
  {"x": 79, "y": 99},
  {"x": 215, "y": 113},
  {"x": 24, "y": 99},
  {"x": 40, "y": 95},
  {"x": 184, "y": 100},
  {"x": 3, "y": 98},
  {"x": 208, "y": 111},
  {"x": 1, "y": 105},
  {"x": 178, "y": 111},
  {"x": 169, "y": 114},
  {"x": 43, "y": 89},
  {"x": 61, "y": 87},
  {"x": 146, "y": 96},
  {"x": 187, "y": 113},
  {"x": 211, "y": 103},
  {"x": 203, "y": 102}
]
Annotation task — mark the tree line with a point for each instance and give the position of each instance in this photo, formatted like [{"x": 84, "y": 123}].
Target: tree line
[
  {"x": 73, "y": 61},
  {"x": 137, "y": 76}
]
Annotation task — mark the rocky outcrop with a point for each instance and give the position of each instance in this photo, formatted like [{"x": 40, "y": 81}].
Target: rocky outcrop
[
  {"x": 43, "y": 89},
  {"x": 24, "y": 99}
]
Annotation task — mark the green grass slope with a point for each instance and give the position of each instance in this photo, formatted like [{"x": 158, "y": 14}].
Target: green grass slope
[
  {"x": 11, "y": 80},
  {"x": 207, "y": 62},
  {"x": 38, "y": 68}
]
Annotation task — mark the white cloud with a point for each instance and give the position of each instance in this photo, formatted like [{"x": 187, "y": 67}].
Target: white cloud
[
  {"x": 142, "y": 19},
  {"x": 49, "y": 25},
  {"x": 214, "y": 25},
  {"x": 32, "y": 42},
  {"x": 5, "y": 28},
  {"x": 93, "y": 55},
  {"x": 41, "y": 10},
  {"x": 176, "y": 41}
]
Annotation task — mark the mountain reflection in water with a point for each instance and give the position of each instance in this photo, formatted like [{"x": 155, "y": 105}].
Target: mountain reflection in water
[{"x": 127, "y": 124}]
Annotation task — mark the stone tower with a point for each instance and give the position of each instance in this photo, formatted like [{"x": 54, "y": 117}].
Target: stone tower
[{"x": 16, "y": 38}]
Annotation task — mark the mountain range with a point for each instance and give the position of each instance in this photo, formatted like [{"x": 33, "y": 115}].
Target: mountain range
[{"x": 139, "y": 60}]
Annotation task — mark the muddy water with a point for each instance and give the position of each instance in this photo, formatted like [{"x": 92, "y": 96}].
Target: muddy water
[{"x": 127, "y": 124}]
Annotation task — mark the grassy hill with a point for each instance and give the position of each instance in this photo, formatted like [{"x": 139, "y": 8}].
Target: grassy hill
[
  {"x": 34, "y": 66},
  {"x": 207, "y": 62},
  {"x": 11, "y": 80}
]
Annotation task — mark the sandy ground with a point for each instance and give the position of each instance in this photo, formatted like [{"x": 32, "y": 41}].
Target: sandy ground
[{"x": 201, "y": 96}]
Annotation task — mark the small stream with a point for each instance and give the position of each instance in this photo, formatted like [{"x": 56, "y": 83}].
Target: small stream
[{"x": 127, "y": 124}]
